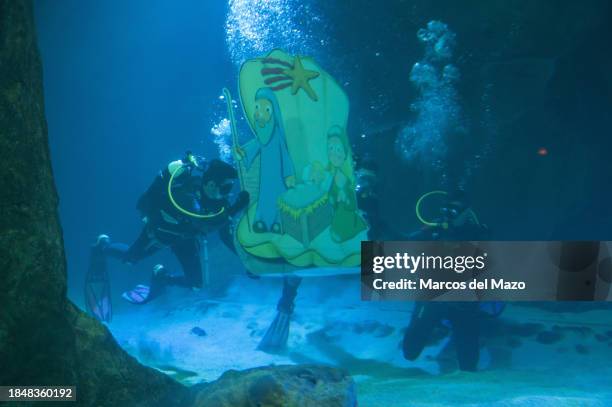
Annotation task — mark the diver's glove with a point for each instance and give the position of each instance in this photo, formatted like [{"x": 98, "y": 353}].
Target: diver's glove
[{"x": 241, "y": 202}]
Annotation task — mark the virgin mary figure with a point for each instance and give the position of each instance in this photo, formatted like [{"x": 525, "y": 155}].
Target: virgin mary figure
[{"x": 276, "y": 172}]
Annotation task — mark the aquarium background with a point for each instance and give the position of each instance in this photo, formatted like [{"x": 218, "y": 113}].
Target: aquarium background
[{"x": 510, "y": 101}]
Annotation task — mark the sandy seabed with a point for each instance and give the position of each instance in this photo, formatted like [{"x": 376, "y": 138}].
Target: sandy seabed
[{"x": 529, "y": 357}]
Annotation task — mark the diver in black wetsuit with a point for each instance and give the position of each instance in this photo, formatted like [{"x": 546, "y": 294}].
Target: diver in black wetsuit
[
  {"x": 457, "y": 222},
  {"x": 187, "y": 200}
]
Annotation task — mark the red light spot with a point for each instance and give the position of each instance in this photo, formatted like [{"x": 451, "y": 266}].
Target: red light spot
[{"x": 542, "y": 151}]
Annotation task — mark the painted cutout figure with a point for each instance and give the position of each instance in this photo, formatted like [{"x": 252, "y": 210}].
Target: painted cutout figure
[
  {"x": 276, "y": 168},
  {"x": 346, "y": 222}
]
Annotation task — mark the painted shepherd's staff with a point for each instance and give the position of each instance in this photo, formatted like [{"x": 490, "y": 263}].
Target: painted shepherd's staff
[{"x": 235, "y": 144}]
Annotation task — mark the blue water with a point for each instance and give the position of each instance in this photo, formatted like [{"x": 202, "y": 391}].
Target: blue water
[{"x": 130, "y": 86}]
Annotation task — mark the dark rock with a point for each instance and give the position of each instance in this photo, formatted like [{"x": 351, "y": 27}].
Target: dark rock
[
  {"x": 44, "y": 338},
  {"x": 549, "y": 337},
  {"x": 301, "y": 385},
  {"x": 196, "y": 330},
  {"x": 102, "y": 364},
  {"x": 266, "y": 391}
]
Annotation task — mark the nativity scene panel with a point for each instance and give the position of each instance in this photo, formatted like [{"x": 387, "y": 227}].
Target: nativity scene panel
[{"x": 298, "y": 168}]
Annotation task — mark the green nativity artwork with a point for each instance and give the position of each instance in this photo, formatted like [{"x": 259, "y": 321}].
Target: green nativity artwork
[{"x": 297, "y": 168}]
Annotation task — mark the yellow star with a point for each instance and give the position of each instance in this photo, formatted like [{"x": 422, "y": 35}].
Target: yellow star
[{"x": 300, "y": 78}]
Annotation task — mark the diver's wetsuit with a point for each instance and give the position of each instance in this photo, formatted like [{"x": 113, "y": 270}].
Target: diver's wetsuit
[
  {"x": 464, "y": 322},
  {"x": 367, "y": 194},
  {"x": 463, "y": 317},
  {"x": 368, "y": 203},
  {"x": 167, "y": 227}
]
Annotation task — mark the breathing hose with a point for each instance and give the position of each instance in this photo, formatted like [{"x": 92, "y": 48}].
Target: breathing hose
[
  {"x": 418, "y": 210},
  {"x": 183, "y": 210}
]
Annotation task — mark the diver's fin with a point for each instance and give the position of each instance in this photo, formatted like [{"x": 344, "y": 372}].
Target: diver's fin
[
  {"x": 275, "y": 339},
  {"x": 137, "y": 295},
  {"x": 98, "y": 300},
  {"x": 141, "y": 294},
  {"x": 97, "y": 283}
]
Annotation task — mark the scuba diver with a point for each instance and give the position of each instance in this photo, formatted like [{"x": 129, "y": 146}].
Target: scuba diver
[
  {"x": 366, "y": 190},
  {"x": 187, "y": 200},
  {"x": 463, "y": 319},
  {"x": 457, "y": 221}
]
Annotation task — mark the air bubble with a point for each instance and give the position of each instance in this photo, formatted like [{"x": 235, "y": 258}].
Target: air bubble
[
  {"x": 254, "y": 27},
  {"x": 437, "y": 108},
  {"x": 222, "y": 132}
]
